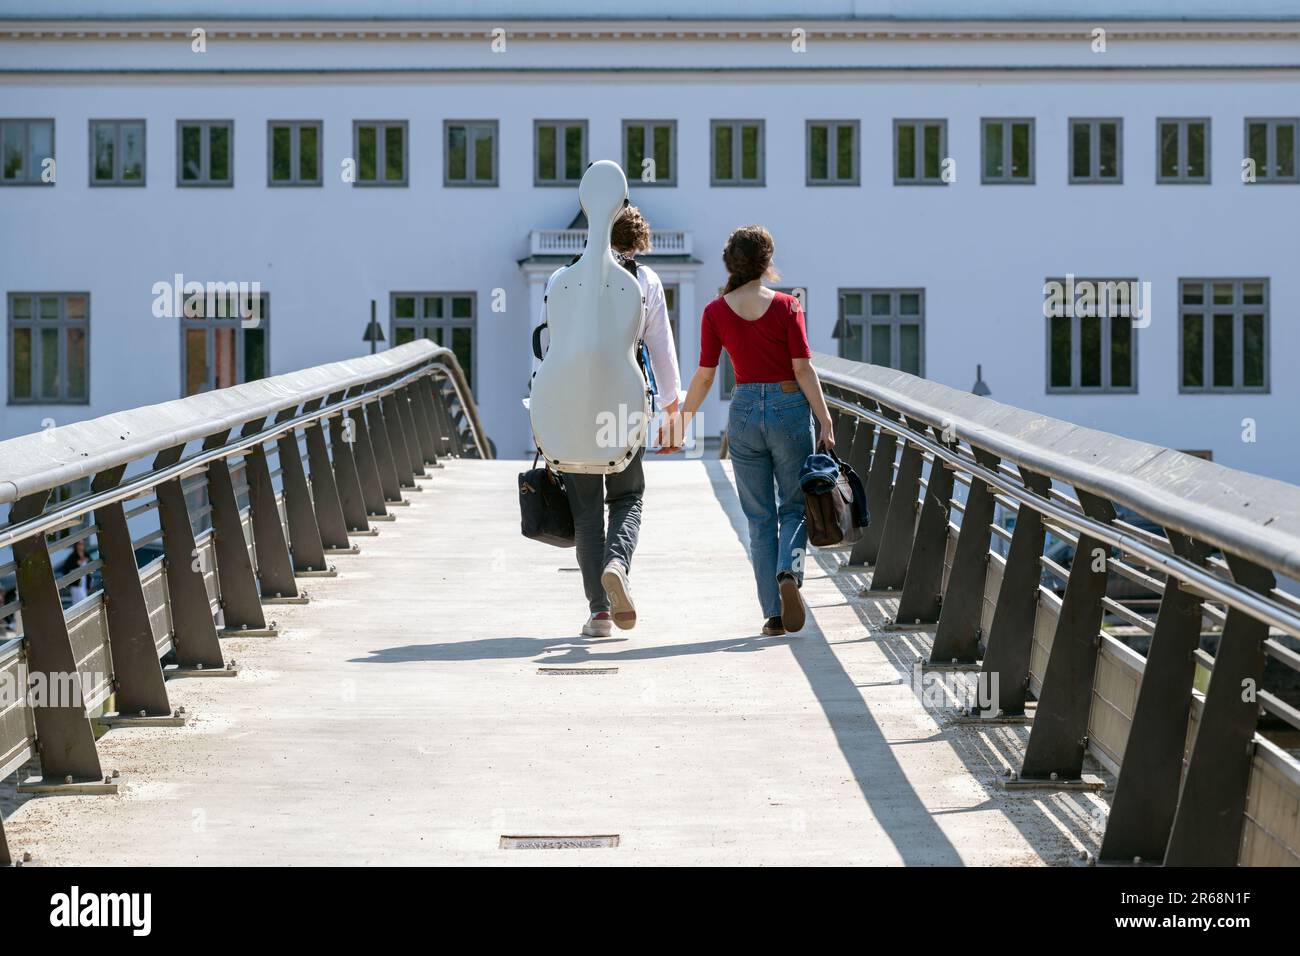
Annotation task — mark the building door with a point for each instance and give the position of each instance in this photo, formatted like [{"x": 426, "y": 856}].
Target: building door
[{"x": 224, "y": 344}]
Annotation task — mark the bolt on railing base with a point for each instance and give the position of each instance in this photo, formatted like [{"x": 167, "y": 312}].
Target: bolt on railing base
[
  {"x": 350, "y": 549},
  {"x": 70, "y": 786},
  {"x": 1086, "y": 782},
  {"x": 175, "y": 673},
  {"x": 231, "y": 632},
  {"x": 330, "y": 572},
  {"x": 302, "y": 598},
  {"x": 117, "y": 721}
]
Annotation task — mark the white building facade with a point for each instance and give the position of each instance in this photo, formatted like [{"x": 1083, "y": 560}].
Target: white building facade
[{"x": 924, "y": 178}]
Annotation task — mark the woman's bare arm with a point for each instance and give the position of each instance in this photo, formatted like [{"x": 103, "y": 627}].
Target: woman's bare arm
[
  {"x": 672, "y": 434},
  {"x": 811, "y": 386}
]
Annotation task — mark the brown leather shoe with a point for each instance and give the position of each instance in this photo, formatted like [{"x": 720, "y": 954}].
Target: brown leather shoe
[{"x": 792, "y": 612}]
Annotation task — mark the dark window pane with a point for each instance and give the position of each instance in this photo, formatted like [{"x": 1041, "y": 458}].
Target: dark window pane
[
  {"x": 281, "y": 154},
  {"x": 1257, "y": 147},
  {"x": 1193, "y": 351},
  {"x": 484, "y": 151},
  {"x": 1121, "y": 352},
  {"x": 1252, "y": 351},
  {"x": 851, "y": 344},
  {"x": 404, "y": 307},
  {"x": 546, "y": 153},
  {"x": 22, "y": 307},
  {"x": 573, "y": 153},
  {"x": 457, "y": 154},
  {"x": 1169, "y": 149},
  {"x": 933, "y": 152},
  {"x": 105, "y": 141},
  {"x": 1108, "y": 142},
  {"x": 1021, "y": 151},
  {"x": 433, "y": 307},
  {"x": 1193, "y": 293},
  {"x": 49, "y": 363},
  {"x": 851, "y": 303},
  {"x": 1060, "y": 371},
  {"x": 1252, "y": 293},
  {"x": 1196, "y": 150},
  {"x": 11, "y": 146},
  {"x": 403, "y": 335},
  {"x": 76, "y": 352},
  {"x": 1081, "y": 144},
  {"x": 1222, "y": 348},
  {"x": 462, "y": 343},
  {"x": 1090, "y": 351},
  {"x": 219, "y": 153},
  {"x": 254, "y": 354},
  {"x": 909, "y": 303},
  {"x": 368, "y": 147},
  {"x": 132, "y": 147},
  {"x": 394, "y": 154},
  {"x": 1223, "y": 293},
  {"x": 909, "y": 348},
  {"x": 722, "y": 164},
  {"x": 191, "y": 153},
  {"x": 880, "y": 303},
  {"x": 308, "y": 158},
  {"x": 906, "y": 152},
  {"x": 819, "y": 153},
  {"x": 40, "y": 147},
  {"x": 749, "y": 153},
  {"x": 844, "y": 149},
  {"x": 462, "y": 307},
  {"x": 22, "y": 367},
  {"x": 882, "y": 352},
  {"x": 49, "y": 306},
  {"x": 1285, "y": 150},
  {"x": 634, "y": 150},
  {"x": 993, "y": 165},
  {"x": 663, "y": 152}
]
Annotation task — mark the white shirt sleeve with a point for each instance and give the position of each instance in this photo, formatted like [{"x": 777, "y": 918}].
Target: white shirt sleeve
[{"x": 659, "y": 341}]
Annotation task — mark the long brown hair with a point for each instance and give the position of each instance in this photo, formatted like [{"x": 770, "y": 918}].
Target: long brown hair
[{"x": 748, "y": 256}]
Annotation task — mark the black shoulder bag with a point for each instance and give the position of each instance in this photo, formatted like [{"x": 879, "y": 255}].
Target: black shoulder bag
[{"x": 544, "y": 509}]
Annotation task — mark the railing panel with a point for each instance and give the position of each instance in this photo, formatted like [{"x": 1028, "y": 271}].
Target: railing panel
[{"x": 88, "y": 634}]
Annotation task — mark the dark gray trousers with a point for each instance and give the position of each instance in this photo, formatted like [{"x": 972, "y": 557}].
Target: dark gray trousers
[{"x": 588, "y": 496}]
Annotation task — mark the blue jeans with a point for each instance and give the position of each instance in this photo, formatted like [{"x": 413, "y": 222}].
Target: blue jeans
[{"x": 769, "y": 434}]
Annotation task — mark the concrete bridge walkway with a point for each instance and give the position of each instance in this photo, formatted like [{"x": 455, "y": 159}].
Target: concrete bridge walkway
[{"x": 400, "y": 717}]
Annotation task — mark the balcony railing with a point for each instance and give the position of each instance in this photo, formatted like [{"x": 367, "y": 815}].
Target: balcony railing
[{"x": 569, "y": 242}]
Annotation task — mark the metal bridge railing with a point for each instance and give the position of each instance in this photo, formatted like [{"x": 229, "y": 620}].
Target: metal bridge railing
[
  {"x": 194, "y": 527},
  {"x": 1199, "y": 781}
]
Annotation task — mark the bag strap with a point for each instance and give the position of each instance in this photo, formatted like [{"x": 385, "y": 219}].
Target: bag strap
[{"x": 537, "y": 341}]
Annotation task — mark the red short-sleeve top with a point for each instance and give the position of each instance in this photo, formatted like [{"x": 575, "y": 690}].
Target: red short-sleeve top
[{"x": 762, "y": 349}]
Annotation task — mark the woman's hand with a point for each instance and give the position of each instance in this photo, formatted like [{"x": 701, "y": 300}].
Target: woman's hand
[
  {"x": 827, "y": 439},
  {"x": 670, "y": 438}
]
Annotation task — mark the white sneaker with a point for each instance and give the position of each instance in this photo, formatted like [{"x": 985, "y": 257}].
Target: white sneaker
[
  {"x": 598, "y": 625},
  {"x": 614, "y": 580}
]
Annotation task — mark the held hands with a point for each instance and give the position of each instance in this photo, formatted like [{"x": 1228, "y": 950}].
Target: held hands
[{"x": 671, "y": 434}]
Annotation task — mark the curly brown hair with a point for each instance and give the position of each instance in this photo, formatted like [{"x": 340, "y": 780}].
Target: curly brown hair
[
  {"x": 631, "y": 233},
  {"x": 748, "y": 256}
]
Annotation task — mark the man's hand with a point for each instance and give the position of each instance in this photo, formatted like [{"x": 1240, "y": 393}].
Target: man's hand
[{"x": 671, "y": 437}]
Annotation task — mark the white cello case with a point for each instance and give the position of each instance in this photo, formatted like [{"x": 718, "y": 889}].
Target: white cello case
[{"x": 590, "y": 404}]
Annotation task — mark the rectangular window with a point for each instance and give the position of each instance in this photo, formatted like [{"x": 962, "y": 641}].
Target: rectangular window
[
  {"x": 49, "y": 347},
  {"x": 884, "y": 327},
  {"x": 738, "y": 153},
  {"x": 1271, "y": 146},
  {"x": 1007, "y": 149},
  {"x": 471, "y": 153},
  {"x": 832, "y": 152},
  {"x": 1091, "y": 344},
  {"x": 560, "y": 147},
  {"x": 920, "y": 147},
  {"x": 445, "y": 318},
  {"x": 225, "y": 340},
  {"x": 25, "y": 147},
  {"x": 117, "y": 152},
  {"x": 379, "y": 148},
  {"x": 293, "y": 152},
  {"x": 1224, "y": 345},
  {"x": 650, "y": 152},
  {"x": 1183, "y": 150},
  {"x": 205, "y": 153},
  {"x": 1096, "y": 150}
]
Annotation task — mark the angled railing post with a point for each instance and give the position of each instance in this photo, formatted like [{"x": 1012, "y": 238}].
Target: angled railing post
[
  {"x": 900, "y": 520},
  {"x": 63, "y": 732},
  {"x": 194, "y": 634},
  {"x": 241, "y": 608},
  {"x": 424, "y": 430},
  {"x": 1146, "y": 792},
  {"x": 348, "y": 473},
  {"x": 450, "y": 437},
  {"x": 138, "y": 684},
  {"x": 842, "y": 427},
  {"x": 1011, "y": 634},
  {"x": 372, "y": 485},
  {"x": 274, "y": 569},
  {"x": 305, "y": 545},
  {"x": 377, "y": 429},
  {"x": 403, "y": 460},
  {"x": 880, "y": 487},
  {"x": 1060, "y": 733},
  {"x": 406, "y": 416},
  {"x": 922, "y": 594},
  {"x": 957, "y": 636},
  {"x": 1212, "y": 802},
  {"x": 325, "y": 497}
]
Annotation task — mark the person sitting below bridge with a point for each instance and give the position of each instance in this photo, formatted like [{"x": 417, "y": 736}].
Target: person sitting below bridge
[{"x": 769, "y": 426}]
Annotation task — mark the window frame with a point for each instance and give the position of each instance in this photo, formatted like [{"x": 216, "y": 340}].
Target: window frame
[
  {"x": 1076, "y": 345},
  {"x": 472, "y": 182},
  {"x": 919, "y": 159},
  {"x": 447, "y": 321},
  {"x": 1094, "y": 177},
  {"x": 895, "y": 319},
  {"x": 381, "y": 153},
  {"x": 1181, "y": 178},
  {"x": 1207, "y": 309},
  {"x": 649, "y": 126},
  {"x": 559, "y": 125},
  {"x": 737, "y": 153},
  {"x": 117, "y": 179},
  {"x": 205, "y": 154},
  {"x": 210, "y": 324},
  {"x": 35, "y": 323},
  {"x": 295, "y": 128},
  {"x": 833, "y": 128},
  {"x": 33, "y": 178},
  {"x": 1007, "y": 179},
  {"x": 1270, "y": 145}
]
